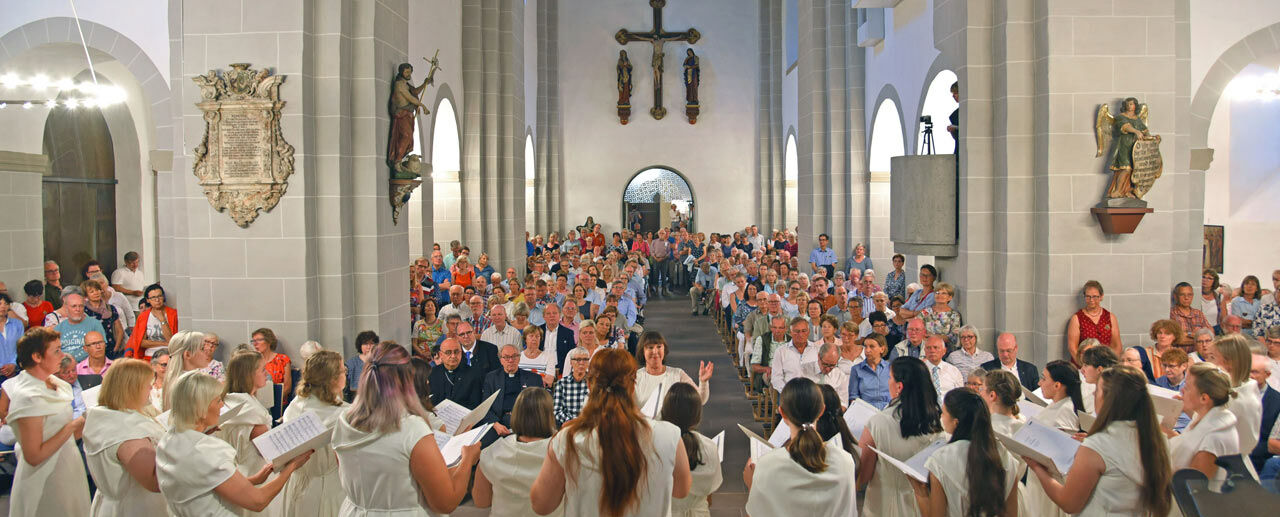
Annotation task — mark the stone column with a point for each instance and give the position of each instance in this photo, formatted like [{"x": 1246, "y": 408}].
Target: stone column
[
  {"x": 327, "y": 261},
  {"x": 769, "y": 131},
  {"x": 493, "y": 180},
  {"x": 1028, "y": 172},
  {"x": 548, "y": 148},
  {"x": 833, "y": 193}
]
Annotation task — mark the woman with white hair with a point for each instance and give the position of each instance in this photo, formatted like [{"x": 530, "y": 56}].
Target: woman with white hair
[
  {"x": 215, "y": 368},
  {"x": 186, "y": 353},
  {"x": 196, "y": 472},
  {"x": 570, "y": 392}
]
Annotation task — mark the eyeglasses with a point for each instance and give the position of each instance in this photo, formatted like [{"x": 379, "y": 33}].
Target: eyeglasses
[
  {"x": 164, "y": 364},
  {"x": 509, "y": 357},
  {"x": 450, "y": 352},
  {"x": 829, "y": 365}
]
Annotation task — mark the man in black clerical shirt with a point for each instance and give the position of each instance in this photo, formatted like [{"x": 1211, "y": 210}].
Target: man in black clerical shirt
[
  {"x": 507, "y": 382},
  {"x": 454, "y": 380}
]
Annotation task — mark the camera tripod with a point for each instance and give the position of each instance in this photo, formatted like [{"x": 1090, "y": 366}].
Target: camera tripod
[{"x": 927, "y": 145}]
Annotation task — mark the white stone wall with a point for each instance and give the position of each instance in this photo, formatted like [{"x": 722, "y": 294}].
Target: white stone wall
[{"x": 21, "y": 223}]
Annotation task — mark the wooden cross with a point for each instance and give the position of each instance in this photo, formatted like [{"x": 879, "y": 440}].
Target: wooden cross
[{"x": 657, "y": 37}]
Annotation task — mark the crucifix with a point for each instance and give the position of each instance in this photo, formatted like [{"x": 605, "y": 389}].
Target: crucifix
[{"x": 657, "y": 37}]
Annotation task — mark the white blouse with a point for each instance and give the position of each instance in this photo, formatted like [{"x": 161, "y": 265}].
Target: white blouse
[
  {"x": 1059, "y": 415},
  {"x": 888, "y": 493},
  {"x": 950, "y": 464},
  {"x": 189, "y": 466},
  {"x": 118, "y": 493},
  {"x": 30, "y": 397},
  {"x": 647, "y": 383},
  {"x": 1116, "y": 493},
  {"x": 582, "y": 492},
  {"x": 374, "y": 469},
  {"x": 1247, "y": 407},
  {"x": 511, "y": 466},
  {"x": 236, "y": 431},
  {"x": 780, "y": 486},
  {"x": 706, "y": 480},
  {"x": 1215, "y": 433},
  {"x": 314, "y": 489}
]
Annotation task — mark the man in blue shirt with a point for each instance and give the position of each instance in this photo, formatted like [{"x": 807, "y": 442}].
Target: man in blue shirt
[
  {"x": 869, "y": 379},
  {"x": 823, "y": 257},
  {"x": 441, "y": 276},
  {"x": 626, "y": 305},
  {"x": 703, "y": 283}
]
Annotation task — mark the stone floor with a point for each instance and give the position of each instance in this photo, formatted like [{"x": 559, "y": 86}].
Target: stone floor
[{"x": 691, "y": 340}]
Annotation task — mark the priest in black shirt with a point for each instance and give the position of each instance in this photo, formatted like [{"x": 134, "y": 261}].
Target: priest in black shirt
[
  {"x": 507, "y": 382},
  {"x": 452, "y": 379}
]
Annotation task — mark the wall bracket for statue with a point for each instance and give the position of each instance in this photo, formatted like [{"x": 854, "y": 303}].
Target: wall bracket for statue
[
  {"x": 1134, "y": 163},
  {"x": 243, "y": 162}
]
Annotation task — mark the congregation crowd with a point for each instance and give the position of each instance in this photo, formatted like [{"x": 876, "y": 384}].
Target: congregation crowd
[{"x": 558, "y": 352}]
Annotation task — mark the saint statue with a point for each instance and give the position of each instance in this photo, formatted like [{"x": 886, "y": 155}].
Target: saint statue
[
  {"x": 405, "y": 105},
  {"x": 692, "y": 77},
  {"x": 624, "y": 79},
  {"x": 1131, "y": 178}
]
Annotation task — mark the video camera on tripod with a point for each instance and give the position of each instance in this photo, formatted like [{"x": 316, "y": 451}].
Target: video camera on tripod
[{"x": 928, "y": 134}]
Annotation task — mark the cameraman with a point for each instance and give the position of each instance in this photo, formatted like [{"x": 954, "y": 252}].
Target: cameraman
[{"x": 954, "y": 128}]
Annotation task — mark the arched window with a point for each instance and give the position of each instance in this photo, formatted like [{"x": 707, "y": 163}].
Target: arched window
[
  {"x": 530, "y": 187},
  {"x": 886, "y": 136},
  {"x": 445, "y": 164},
  {"x": 790, "y": 170},
  {"x": 938, "y": 104}
]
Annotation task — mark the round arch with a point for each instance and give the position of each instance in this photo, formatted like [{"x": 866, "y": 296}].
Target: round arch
[
  {"x": 676, "y": 175},
  {"x": 882, "y": 144},
  {"x": 887, "y": 93},
  {"x": 1250, "y": 48},
  {"x": 790, "y": 179},
  {"x": 427, "y": 134},
  {"x": 936, "y": 102}
]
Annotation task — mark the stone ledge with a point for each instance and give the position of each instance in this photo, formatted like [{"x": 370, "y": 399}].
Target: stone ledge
[{"x": 12, "y": 161}]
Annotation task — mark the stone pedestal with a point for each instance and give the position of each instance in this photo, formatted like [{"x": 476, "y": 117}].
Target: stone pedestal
[
  {"x": 922, "y": 213},
  {"x": 1119, "y": 220}
]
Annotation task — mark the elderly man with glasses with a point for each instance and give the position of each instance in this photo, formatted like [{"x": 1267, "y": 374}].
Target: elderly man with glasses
[{"x": 570, "y": 392}]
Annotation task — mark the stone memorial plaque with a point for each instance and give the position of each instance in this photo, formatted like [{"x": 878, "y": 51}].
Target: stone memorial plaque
[
  {"x": 243, "y": 163},
  {"x": 1148, "y": 165}
]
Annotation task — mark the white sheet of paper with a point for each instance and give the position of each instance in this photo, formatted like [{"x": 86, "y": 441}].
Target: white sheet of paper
[
  {"x": 292, "y": 439},
  {"x": 759, "y": 445},
  {"x": 719, "y": 440},
  {"x": 1028, "y": 409},
  {"x": 1168, "y": 407},
  {"x": 90, "y": 396},
  {"x": 780, "y": 435},
  {"x": 535, "y": 365},
  {"x": 857, "y": 416},
  {"x": 914, "y": 466},
  {"x": 452, "y": 451},
  {"x": 457, "y": 417},
  {"x": 652, "y": 406},
  {"x": 1034, "y": 397},
  {"x": 224, "y": 414},
  {"x": 1050, "y": 447}
]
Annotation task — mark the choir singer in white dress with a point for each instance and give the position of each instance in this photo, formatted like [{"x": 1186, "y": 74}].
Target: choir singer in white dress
[
  {"x": 807, "y": 477},
  {"x": 197, "y": 472},
  {"x": 120, "y": 443},
  {"x": 315, "y": 490},
  {"x": 682, "y": 406},
  {"x": 1212, "y": 431},
  {"x": 656, "y": 373},
  {"x": 388, "y": 459},
  {"x": 910, "y": 423},
  {"x": 611, "y": 461},
  {"x": 968, "y": 475},
  {"x": 509, "y": 466},
  {"x": 50, "y": 479},
  {"x": 1123, "y": 467}
]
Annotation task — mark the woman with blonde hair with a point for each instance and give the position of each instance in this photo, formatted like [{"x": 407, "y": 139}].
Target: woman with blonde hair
[
  {"x": 1123, "y": 466},
  {"x": 186, "y": 353},
  {"x": 806, "y": 476},
  {"x": 611, "y": 460},
  {"x": 315, "y": 489},
  {"x": 388, "y": 460},
  {"x": 509, "y": 466},
  {"x": 245, "y": 376},
  {"x": 120, "y": 443},
  {"x": 1212, "y": 431},
  {"x": 197, "y": 473},
  {"x": 1231, "y": 353}
]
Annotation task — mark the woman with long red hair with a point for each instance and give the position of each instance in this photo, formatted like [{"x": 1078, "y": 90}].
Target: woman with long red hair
[{"x": 643, "y": 467}]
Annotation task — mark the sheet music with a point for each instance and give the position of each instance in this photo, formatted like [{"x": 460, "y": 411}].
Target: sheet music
[
  {"x": 292, "y": 439},
  {"x": 1086, "y": 420},
  {"x": 452, "y": 450},
  {"x": 857, "y": 416},
  {"x": 456, "y": 416},
  {"x": 759, "y": 446},
  {"x": 1168, "y": 407},
  {"x": 652, "y": 406},
  {"x": 719, "y": 441},
  {"x": 914, "y": 466},
  {"x": 1048, "y": 446},
  {"x": 90, "y": 396},
  {"x": 1028, "y": 409},
  {"x": 780, "y": 435},
  {"x": 1034, "y": 397}
]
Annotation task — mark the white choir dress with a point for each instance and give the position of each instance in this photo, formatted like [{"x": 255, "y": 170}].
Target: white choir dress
[
  {"x": 706, "y": 479},
  {"x": 314, "y": 490},
  {"x": 647, "y": 383},
  {"x": 33, "y": 493},
  {"x": 1008, "y": 425},
  {"x": 1247, "y": 407},
  {"x": 118, "y": 493},
  {"x": 374, "y": 469},
  {"x": 780, "y": 486},
  {"x": 1058, "y": 415},
  {"x": 950, "y": 464},
  {"x": 1215, "y": 434},
  {"x": 511, "y": 466},
  {"x": 888, "y": 493},
  {"x": 1117, "y": 491},
  {"x": 237, "y": 432},
  {"x": 189, "y": 466},
  {"x": 582, "y": 493}
]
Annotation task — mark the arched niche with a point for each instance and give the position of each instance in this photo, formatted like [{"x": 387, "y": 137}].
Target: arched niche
[
  {"x": 649, "y": 195},
  {"x": 938, "y": 104}
]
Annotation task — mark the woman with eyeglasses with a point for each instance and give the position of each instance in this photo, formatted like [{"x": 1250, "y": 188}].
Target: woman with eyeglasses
[
  {"x": 159, "y": 366},
  {"x": 1093, "y": 321},
  {"x": 570, "y": 392},
  {"x": 155, "y": 325}
]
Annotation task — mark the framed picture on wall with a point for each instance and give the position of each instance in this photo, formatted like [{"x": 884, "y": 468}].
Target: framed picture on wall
[{"x": 1213, "y": 239}]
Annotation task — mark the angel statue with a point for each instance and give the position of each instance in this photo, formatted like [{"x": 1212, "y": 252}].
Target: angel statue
[{"x": 1130, "y": 178}]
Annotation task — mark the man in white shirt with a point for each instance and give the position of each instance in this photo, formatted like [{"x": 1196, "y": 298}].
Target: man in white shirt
[
  {"x": 457, "y": 304},
  {"x": 792, "y": 359},
  {"x": 829, "y": 372},
  {"x": 754, "y": 237},
  {"x": 945, "y": 376},
  {"x": 499, "y": 333},
  {"x": 129, "y": 279}
]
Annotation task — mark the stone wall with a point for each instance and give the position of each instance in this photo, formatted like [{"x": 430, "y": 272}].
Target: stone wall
[{"x": 21, "y": 220}]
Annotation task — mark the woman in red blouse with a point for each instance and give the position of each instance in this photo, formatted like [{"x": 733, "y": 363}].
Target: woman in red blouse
[
  {"x": 1093, "y": 321},
  {"x": 463, "y": 274},
  {"x": 276, "y": 364}
]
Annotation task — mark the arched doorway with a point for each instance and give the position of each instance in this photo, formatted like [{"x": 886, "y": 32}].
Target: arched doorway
[
  {"x": 79, "y": 193},
  {"x": 938, "y": 106},
  {"x": 655, "y": 198}
]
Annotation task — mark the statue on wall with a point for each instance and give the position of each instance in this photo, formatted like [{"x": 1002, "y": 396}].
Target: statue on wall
[
  {"x": 404, "y": 105},
  {"x": 692, "y": 77},
  {"x": 624, "y": 87},
  {"x": 1135, "y": 160}
]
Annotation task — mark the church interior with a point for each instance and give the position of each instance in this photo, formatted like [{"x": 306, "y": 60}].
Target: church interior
[{"x": 375, "y": 179}]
